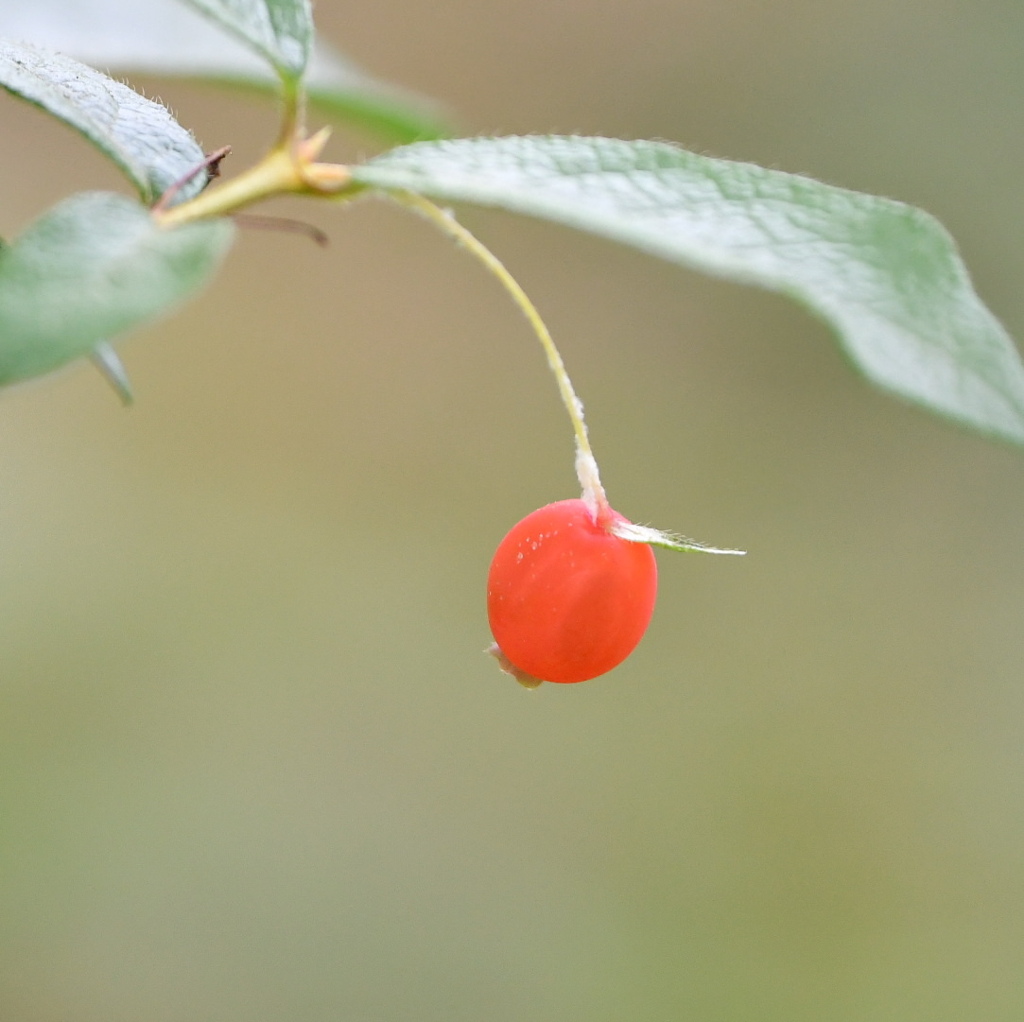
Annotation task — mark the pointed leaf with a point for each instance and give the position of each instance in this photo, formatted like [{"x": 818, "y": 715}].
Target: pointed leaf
[
  {"x": 165, "y": 37},
  {"x": 92, "y": 267},
  {"x": 886, "y": 276},
  {"x": 280, "y": 31},
  {"x": 112, "y": 369},
  {"x": 668, "y": 540},
  {"x": 140, "y": 136}
]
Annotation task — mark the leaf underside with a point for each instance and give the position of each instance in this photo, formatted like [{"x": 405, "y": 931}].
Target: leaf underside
[
  {"x": 886, "y": 276},
  {"x": 90, "y": 268},
  {"x": 280, "y": 31},
  {"x": 166, "y": 37},
  {"x": 138, "y": 135}
]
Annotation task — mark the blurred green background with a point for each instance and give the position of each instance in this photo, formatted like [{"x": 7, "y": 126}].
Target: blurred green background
[{"x": 253, "y": 763}]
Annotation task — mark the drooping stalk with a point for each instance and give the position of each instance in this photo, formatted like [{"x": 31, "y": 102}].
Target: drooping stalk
[{"x": 586, "y": 464}]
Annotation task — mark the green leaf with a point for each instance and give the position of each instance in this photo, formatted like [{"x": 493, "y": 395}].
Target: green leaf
[
  {"x": 94, "y": 266},
  {"x": 140, "y": 136},
  {"x": 164, "y": 37},
  {"x": 280, "y": 31},
  {"x": 668, "y": 540},
  {"x": 886, "y": 276}
]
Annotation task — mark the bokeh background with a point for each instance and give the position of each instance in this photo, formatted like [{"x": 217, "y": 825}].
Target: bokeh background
[{"x": 253, "y": 763}]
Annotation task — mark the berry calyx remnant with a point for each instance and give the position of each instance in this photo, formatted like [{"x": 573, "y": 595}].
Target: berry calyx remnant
[{"x": 568, "y": 599}]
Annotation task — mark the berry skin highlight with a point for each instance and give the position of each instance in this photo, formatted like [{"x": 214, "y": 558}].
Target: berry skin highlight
[{"x": 567, "y": 599}]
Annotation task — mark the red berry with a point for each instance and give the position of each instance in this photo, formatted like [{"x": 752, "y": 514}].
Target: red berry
[{"x": 567, "y": 599}]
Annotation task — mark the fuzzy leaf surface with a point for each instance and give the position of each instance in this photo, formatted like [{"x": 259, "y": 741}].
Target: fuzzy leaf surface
[
  {"x": 280, "y": 31},
  {"x": 139, "y": 135},
  {"x": 886, "y": 276},
  {"x": 90, "y": 268},
  {"x": 166, "y": 37}
]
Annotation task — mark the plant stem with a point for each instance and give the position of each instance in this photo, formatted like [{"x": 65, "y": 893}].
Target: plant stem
[
  {"x": 293, "y": 114},
  {"x": 586, "y": 464},
  {"x": 289, "y": 169}
]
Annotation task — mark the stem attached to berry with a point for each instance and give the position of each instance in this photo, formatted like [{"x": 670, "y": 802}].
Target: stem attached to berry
[{"x": 586, "y": 465}]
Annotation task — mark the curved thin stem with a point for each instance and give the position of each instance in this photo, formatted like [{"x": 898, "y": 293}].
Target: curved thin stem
[{"x": 586, "y": 465}]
